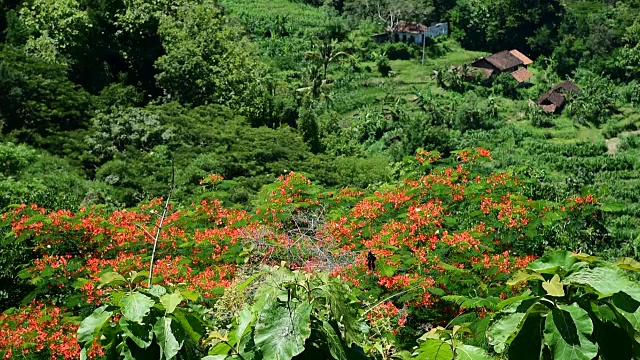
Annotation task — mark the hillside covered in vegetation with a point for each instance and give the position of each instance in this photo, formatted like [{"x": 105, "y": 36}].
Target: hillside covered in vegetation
[{"x": 307, "y": 179}]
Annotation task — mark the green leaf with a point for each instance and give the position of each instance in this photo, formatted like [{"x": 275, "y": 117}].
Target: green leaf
[
  {"x": 553, "y": 262},
  {"x": 136, "y": 306},
  {"x": 138, "y": 276},
  {"x": 504, "y": 329},
  {"x": 333, "y": 341},
  {"x": 585, "y": 257},
  {"x": 527, "y": 345},
  {"x": 157, "y": 290},
  {"x": 110, "y": 278},
  {"x": 92, "y": 324},
  {"x": 245, "y": 318},
  {"x": 171, "y": 301},
  {"x": 468, "y": 352},
  {"x": 169, "y": 345},
  {"x": 554, "y": 287},
  {"x": 566, "y": 331},
  {"x": 280, "y": 333},
  {"x": 436, "y": 291},
  {"x": 472, "y": 303},
  {"x": 386, "y": 270},
  {"x": 504, "y": 303},
  {"x": 606, "y": 281},
  {"x": 628, "y": 307},
  {"x": 248, "y": 281},
  {"x": 628, "y": 263},
  {"x": 523, "y": 276},
  {"x": 345, "y": 309},
  {"x": 191, "y": 325},
  {"x": 433, "y": 349},
  {"x": 190, "y": 295},
  {"x": 140, "y": 334},
  {"x": 614, "y": 342}
]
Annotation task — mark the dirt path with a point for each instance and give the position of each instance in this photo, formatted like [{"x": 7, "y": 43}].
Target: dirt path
[{"x": 613, "y": 143}]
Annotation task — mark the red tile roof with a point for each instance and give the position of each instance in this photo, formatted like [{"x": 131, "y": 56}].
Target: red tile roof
[
  {"x": 522, "y": 75},
  {"x": 548, "y": 108},
  {"x": 408, "y": 27},
  {"x": 567, "y": 86},
  {"x": 503, "y": 60},
  {"x": 522, "y": 57},
  {"x": 554, "y": 99}
]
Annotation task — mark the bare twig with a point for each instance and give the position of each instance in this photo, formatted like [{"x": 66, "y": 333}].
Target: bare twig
[
  {"x": 162, "y": 218},
  {"x": 306, "y": 243},
  {"x": 145, "y": 231}
]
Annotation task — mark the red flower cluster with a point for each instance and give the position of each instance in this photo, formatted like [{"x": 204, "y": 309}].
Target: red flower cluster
[{"x": 37, "y": 328}]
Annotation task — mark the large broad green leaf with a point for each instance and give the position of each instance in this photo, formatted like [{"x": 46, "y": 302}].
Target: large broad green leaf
[
  {"x": 606, "y": 281},
  {"x": 333, "y": 341},
  {"x": 354, "y": 328},
  {"x": 527, "y": 345},
  {"x": 554, "y": 287},
  {"x": 130, "y": 351},
  {"x": 615, "y": 343},
  {"x": 91, "y": 325},
  {"x": 171, "y": 301},
  {"x": 111, "y": 278},
  {"x": 136, "y": 306},
  {"x": 518, "y": 299},
  {"x": 468, "y": 352},
  {"x": 523, "y": 276},
  {"x": 628, "y": 307},
  {"x": 281, "y": 332},
  {"x": 245, "y": 318},
  {"x": 504, "y": 329},
  {"x": 553, "y": 262},
  {"x": 140, "y": 334},
  {"x": 267, "y": 294},
  {"x": 566, "y": 331},
  {"x": 433, "y": 349},
  {"x": 157, "y": 290},
  {"x": 628, "y": 263},
  {"x": 191, "y": 325},
  {"x": 169, "y": 344}
]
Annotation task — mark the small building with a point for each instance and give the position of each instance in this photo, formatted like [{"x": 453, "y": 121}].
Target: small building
[
  {"x": 554, "y": 100},
  {"x": 437, "y": 29},
  {"x": 509, "y": 61},
  {"x": 412, "y": 32}
]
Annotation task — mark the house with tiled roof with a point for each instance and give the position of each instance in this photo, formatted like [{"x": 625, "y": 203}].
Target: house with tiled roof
[
  {"x": 412, "y": 32},
  {"x": 510, "y": 61},
  {"x": 553, "y": 101}
]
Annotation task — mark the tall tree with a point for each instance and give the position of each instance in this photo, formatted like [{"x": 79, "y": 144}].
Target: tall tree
[
  {"x": 58, "y": 29},
  {"x": 324, "y": 53},
  {"x": 37, "y": 97},
  {"x": 208, "y": 62}
]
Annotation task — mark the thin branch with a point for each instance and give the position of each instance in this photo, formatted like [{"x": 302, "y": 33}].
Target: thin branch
[
  {"x": 164, "y": 216},
  {"x": 388, "y": 298},
  {"x": 145, "y": 231}
]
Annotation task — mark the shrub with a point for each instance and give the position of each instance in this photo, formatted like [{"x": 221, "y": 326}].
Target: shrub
[
  {"x": 575, "y": 306},
  {"x": 539, "y": 117}
]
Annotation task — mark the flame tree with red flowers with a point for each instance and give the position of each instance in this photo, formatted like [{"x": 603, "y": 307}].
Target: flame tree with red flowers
[{"x": 446, "y": 227}]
